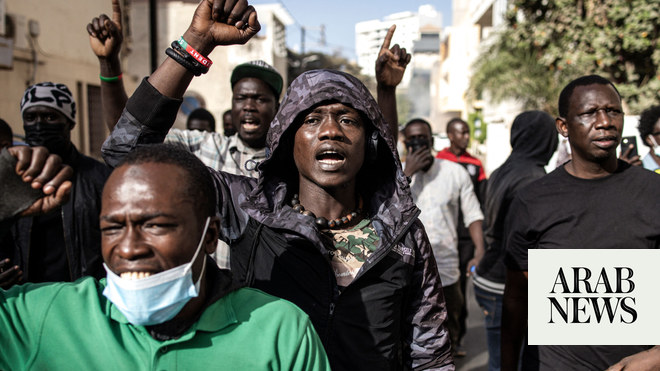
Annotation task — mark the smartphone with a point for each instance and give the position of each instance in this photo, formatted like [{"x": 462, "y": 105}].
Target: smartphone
[
  {"x": 415, "y": 144},
  {"x": 629, "y": 142}
]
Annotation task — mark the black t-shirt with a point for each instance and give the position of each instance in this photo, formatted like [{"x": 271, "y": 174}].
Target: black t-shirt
[{"x": 560, "y": 211}]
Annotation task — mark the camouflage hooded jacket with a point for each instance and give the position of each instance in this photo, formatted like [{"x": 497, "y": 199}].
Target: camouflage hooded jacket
[{"x": 391, "y": 317}]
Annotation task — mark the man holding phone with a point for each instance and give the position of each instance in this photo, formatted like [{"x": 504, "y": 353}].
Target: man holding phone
[
  {"x": 440, "y": 188},
  {"x": 628, "y": 151}
]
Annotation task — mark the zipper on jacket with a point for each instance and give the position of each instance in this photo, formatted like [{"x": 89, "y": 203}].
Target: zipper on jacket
[
  {"x": 329, "y": 330},
  {"x": 334, "y": 297}
]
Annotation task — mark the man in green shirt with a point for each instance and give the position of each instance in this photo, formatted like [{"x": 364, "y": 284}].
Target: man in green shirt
[{"x": 164, "y": 303}]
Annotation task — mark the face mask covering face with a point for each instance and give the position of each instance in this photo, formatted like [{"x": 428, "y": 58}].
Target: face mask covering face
[
  {"x": 51, "y": 136},
  {"x": 157, "y": 298},
  {"x": 656, "y": 147}
]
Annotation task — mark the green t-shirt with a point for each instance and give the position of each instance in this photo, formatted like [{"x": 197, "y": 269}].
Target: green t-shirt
[{"x": 72, "y": 326}]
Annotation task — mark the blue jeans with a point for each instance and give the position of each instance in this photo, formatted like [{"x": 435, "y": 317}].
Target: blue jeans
[{"x": 491, "y": 304}]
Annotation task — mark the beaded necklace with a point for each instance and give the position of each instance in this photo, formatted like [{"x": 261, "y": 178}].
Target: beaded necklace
[{"x": 322, "y": 222}]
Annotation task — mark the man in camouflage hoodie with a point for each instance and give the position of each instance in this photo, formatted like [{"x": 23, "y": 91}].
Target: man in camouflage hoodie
[{"x": 329, "y": 224}]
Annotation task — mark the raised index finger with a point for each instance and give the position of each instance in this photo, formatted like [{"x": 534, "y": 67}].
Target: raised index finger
[
  {"x": 116, "y": 13},
  {"x": 388, "y": 38}
]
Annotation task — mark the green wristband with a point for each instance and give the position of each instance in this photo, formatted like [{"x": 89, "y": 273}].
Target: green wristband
[
  {"x": 111, "y": 79},
  {"x": 183, "y": 43}
]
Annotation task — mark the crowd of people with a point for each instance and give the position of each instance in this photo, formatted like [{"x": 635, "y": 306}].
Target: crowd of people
[{"x": 297, "y": 239}]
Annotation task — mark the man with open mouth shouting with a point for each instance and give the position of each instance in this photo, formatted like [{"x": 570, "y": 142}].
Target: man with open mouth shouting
[
  {"x": 256, "y": 89},
  {"x": 329, "y": 224}
]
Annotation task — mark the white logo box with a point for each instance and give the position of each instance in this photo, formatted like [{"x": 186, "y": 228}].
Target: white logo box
[{"x": 574, "y": 316}]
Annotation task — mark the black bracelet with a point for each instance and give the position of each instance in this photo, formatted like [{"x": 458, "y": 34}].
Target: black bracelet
[
  {"x": 176, "y": 46},
  {"x": 185, "y": 63}
]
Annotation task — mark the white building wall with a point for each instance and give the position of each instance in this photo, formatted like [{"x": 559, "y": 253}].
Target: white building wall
[
  {"x": 462, "y": 48},
  {"x": 419, "y": 90},
  {"x": 500, "y": 116},
  {"x": 369, "y": 35},
  {"x": 473, "y": 22}
]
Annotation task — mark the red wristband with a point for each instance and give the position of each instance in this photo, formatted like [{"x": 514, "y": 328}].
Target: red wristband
[{"x": 195, "y": 54}]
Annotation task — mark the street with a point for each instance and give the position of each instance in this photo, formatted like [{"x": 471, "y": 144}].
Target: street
[{"x": 474, "y": 342}]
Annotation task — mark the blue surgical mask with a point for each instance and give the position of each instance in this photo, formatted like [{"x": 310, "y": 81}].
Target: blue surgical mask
[{"x": 157, "y": 298}]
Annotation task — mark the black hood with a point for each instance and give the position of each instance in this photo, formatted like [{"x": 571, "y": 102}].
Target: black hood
[
  {"x": 323, "y": 86},
  {"x": 534, "y": 140},
  {"x": 387, "y": 194},
  {"x": 534, "y": 137}
]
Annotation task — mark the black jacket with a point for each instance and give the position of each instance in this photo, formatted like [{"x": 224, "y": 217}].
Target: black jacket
[
  {"x": 391, "y": 317},
  {"x": 80, "y": 220},
  {"x": 533, "y": 142}
]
